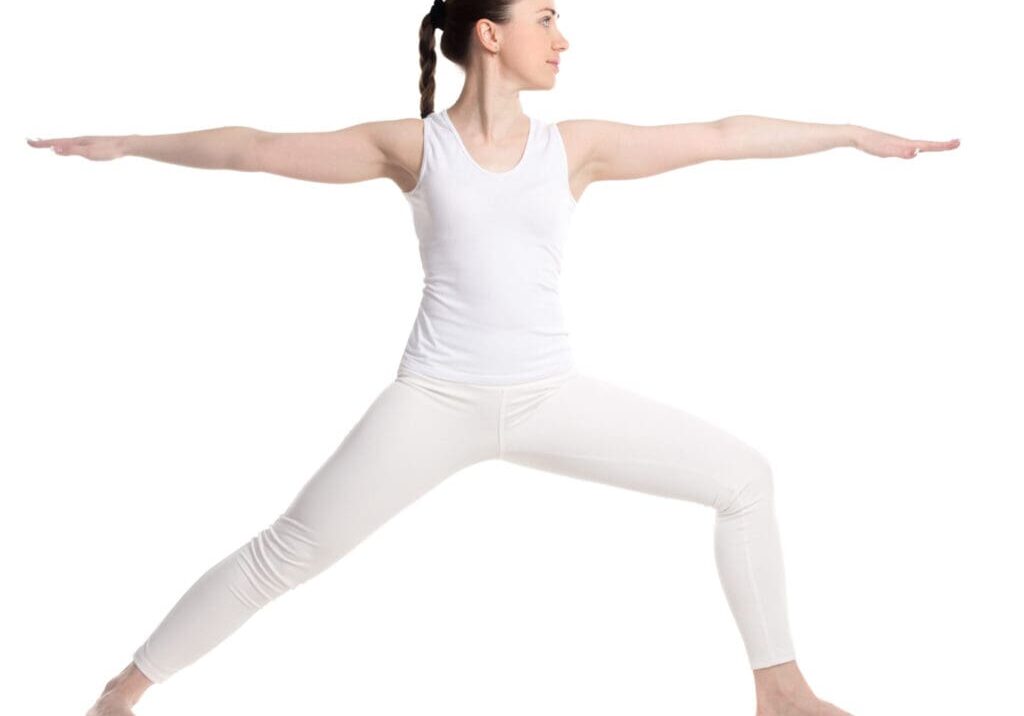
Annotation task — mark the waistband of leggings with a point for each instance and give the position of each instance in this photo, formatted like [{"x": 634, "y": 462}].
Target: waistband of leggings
[{"x": 404, "y": 372}]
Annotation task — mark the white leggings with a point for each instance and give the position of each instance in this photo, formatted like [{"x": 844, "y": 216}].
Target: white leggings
[{"x": 420, "y": 430}]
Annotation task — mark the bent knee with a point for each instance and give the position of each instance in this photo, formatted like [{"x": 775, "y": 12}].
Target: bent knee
[{"x": 754, "y": 483}]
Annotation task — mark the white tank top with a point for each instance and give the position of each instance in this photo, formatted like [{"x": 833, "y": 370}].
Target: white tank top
[{"x": 491, "y": 248}]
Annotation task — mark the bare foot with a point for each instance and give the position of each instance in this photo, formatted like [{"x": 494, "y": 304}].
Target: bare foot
[
  {"x": 828, "y": 709},
  {"x": 804, "y": 706},
  {"x": 109, "y": 705},
  {"x": 121, "y": 693}
]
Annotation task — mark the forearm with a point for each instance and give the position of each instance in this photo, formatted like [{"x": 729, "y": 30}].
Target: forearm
[
  {"x": 750, "y": 137},
  {"x": 221, "y": 148}
]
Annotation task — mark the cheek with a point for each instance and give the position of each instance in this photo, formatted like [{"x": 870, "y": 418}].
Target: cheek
[
  {"x": 526, "y": 59},
  {"x": 526, "y": 48}
]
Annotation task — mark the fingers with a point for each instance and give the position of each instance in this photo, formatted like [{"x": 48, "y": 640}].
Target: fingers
[
  {"x": 59, "y": 146},
  {"x": 924, "y": 146},
  {"x": 937, "y": 146},
  {"x": 44, "y": 143},
  {"x": 49, "y": 142}
]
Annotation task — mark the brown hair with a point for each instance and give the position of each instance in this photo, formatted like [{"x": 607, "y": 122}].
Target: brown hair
[{"x": 456, "y": 35}]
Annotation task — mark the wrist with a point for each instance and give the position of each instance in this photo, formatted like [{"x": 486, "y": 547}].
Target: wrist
[{"x": 127, "y": 145}]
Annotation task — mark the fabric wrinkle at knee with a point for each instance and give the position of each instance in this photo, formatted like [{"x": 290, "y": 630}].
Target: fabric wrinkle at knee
[
  {"x": 757, "y": 485},
  {"x": 276, "y": 560}
]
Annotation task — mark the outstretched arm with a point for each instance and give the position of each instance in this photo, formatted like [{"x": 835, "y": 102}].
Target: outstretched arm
[
  {"x": 750, "y": 137},
  {"x": 357, "y": 153},
  {"x": 220, "y": 148},
  {"x": 601, "y": 150}
]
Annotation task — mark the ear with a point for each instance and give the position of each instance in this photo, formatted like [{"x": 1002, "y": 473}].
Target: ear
[{"x": 489, "y": 34}]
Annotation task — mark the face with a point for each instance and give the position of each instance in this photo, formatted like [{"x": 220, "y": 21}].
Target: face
[{"x": 530, "y": 43}]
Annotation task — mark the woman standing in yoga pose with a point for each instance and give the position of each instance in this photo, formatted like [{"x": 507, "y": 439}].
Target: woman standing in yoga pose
[{"x": 488, "y": 372}]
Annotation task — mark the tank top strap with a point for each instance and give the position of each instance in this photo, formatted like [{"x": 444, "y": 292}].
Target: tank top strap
[
  {"x": 550, "y": 149},
  {"x": 551, "y": 159},
  {"x": 431, "y": 150}
]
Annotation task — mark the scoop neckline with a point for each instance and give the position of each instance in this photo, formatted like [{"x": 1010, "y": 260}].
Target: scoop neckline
[{"x": 465, "y": 150}]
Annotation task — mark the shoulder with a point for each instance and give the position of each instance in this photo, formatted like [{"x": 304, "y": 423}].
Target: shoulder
[
  {"x": 582, "y": 137},
  {"x": 396, "y": 138},
  {"x": 400, "y": 142},
  {"x": 589, "y": 131}
]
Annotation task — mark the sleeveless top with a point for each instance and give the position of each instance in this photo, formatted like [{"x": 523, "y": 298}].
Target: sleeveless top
[{"x": 491, "y": 248}]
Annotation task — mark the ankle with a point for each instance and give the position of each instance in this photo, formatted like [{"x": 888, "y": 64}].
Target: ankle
[
  {"x": 781, "y": 684},
  {"x": 128, "y": 686},
  {"x": 784, "y": 701}
]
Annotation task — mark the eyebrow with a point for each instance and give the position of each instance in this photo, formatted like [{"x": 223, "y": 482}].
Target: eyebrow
[{"x": 551, "y": 10}]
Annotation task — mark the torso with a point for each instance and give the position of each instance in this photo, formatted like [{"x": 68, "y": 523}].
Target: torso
[
  {"x": 491, "y": 237},
  {"x": 407, "y": 151}
]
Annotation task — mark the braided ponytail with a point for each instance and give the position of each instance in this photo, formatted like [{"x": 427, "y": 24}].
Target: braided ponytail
[{"x": 457, "y": 21}]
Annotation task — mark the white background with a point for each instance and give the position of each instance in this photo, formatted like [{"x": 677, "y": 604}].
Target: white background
[{"x": 182, "y": 348}]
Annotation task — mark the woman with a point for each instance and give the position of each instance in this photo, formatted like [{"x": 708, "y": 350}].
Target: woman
[{"x": 487, "y": 372}]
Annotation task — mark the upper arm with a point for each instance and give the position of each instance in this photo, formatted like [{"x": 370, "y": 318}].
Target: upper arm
[
  {"x": 612, "y": 150},
  {"x": 358, "y": 153}
]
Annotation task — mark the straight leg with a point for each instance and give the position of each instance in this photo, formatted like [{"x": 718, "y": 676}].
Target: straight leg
[{"x": 407, "y": 442}]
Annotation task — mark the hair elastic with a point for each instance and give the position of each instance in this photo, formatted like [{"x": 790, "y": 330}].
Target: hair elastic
[{"x": 437, "y": 14}]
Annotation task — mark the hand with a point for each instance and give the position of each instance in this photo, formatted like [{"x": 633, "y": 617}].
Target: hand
[
  {"x": 95, "y": 148},
  {"x": 889, "y": 145}
]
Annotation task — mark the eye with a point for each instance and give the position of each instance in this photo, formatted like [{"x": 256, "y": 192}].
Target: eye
[{"x": 546, "y": 19}]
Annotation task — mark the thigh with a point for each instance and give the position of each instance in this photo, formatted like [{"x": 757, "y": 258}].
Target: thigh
[
  {"x": 594, "y": 430},
  {"x": 406, "y": 442}
]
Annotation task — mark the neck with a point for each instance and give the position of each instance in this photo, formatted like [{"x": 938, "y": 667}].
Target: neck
[{"x": 485, "y": 111}]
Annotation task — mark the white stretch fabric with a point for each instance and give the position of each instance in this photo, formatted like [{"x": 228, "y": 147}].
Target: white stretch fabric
[
  {"x": 420, "y": 430},
  {"x": 491, "y": 247}
]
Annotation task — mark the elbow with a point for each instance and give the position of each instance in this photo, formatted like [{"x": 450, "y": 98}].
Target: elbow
[
  {"x": 720, "y": 143},
  {"x": 725, "y": 122},
  {"x": 248, "y": 150}
]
